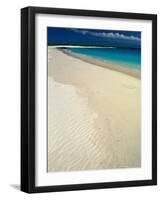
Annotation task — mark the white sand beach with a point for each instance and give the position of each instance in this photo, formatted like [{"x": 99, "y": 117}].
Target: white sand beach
[{"x": 94, "y": 116}]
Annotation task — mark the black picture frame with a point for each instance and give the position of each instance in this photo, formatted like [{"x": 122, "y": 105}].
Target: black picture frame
[{"x": 28, "y": 98}]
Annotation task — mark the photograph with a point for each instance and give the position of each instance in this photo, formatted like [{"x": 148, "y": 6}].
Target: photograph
[
  {"x": 94, "y": 99},
  {"x": 88, "y": 99}
]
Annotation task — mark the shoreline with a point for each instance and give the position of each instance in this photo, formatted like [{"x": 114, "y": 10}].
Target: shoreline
[{"x": 136, "y": 73}]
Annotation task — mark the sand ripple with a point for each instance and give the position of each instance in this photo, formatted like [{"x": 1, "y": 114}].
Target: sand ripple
[{"x": 71, "y": 131}]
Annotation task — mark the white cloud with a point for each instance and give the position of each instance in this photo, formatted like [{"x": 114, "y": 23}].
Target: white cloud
[{"x": 108, "y": 35}]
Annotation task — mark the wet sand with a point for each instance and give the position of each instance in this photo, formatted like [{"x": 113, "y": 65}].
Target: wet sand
[{"x": 106, "y": 64}]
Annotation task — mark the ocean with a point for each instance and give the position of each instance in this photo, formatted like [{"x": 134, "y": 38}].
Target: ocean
[{"x": 128, "y": 57}]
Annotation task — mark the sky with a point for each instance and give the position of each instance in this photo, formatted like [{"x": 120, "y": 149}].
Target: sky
[{"x": 93, "y": 37}]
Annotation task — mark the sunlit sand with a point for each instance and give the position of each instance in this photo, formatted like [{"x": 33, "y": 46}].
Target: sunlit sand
[{"x": 93, "y": 115}]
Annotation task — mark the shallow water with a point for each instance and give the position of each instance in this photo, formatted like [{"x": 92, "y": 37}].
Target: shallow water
[{"x": 125, "y": 56}]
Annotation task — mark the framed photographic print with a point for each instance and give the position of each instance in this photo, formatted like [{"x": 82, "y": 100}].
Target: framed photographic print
[{"x": 88, "y": 99}]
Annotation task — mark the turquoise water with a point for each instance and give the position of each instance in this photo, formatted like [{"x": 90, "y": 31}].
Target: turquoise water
[{"x": 125, "y": 56}]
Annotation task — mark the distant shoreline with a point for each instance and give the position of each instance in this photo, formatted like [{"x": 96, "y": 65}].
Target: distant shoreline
[
  {"x": 136, "y": 73},
  {"x": 90, "y": 46}
]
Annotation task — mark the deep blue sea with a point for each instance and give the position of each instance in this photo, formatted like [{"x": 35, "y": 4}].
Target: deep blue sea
[{"x": 124, "y": 56}]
